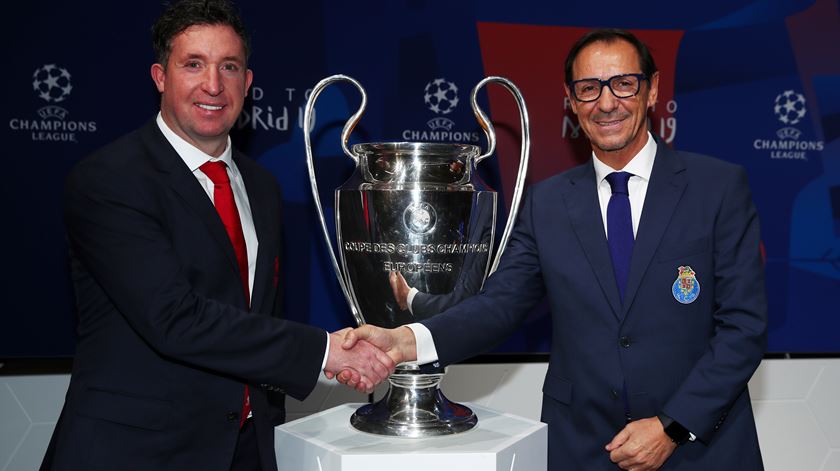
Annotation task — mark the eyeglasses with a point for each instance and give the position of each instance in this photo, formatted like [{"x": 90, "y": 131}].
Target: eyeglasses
[{"x": 622, "y": 86}]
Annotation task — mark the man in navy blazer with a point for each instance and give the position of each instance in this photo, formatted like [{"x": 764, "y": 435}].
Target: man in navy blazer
[
  {"x": 652, "y": 374},
  {"x": 170, "y": 329}
]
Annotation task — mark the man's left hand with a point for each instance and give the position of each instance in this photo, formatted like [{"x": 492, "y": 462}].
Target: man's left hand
[
  {"x": 400, "y": 288},
  {"x": 641, "y": 446}
]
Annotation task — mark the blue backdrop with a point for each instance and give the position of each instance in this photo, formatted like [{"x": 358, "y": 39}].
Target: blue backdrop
[{"x": 753, "y": 82}]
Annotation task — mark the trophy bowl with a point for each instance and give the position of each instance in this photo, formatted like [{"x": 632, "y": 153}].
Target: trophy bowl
[{"x": 415, "y": 230}]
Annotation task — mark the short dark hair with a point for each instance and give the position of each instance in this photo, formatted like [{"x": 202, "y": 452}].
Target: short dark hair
[
  {"x": 183, "y": 14},
  {"x": 646, "y": 63}
]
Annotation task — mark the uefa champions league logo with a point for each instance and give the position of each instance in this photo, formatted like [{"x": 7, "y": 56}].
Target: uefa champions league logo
[
  {"x": 791, "y": 143},
  {"x": 419, "y": 218},
  {"x": 789, "y": 107},
  {"x": 441, "y": 96},
  {"x": 52, "y": 83}
]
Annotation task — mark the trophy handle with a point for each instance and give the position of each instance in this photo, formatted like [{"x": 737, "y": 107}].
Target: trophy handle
[
  {"x": 525, "y": 150},
  {"x": 345, "y": 136}
]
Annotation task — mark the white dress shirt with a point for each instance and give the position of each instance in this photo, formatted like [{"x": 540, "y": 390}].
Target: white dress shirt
[
  {"x": 194, "y": 158},
  {"x": 640, "y": 166}
]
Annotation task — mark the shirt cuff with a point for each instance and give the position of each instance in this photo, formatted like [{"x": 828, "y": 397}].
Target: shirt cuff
[
  {"x": 426, "y": 352},
  {"x": 327, "y": 353},
  {"x": 410, "y": 298}
]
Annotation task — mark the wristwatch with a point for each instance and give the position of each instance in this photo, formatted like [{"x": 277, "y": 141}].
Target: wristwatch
[{"x": 675, "y": 431}]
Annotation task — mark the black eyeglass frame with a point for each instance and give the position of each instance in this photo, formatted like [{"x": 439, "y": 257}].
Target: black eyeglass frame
[{"x": 606, "y": 83}]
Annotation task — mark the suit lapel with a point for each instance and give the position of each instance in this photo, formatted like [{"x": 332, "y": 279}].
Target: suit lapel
[
  {"x": 666, "y": 186},
  {"x": 182, "y": 181},
  {"x": 261, "y": 219},
  {"x": 585, "y": 215}
]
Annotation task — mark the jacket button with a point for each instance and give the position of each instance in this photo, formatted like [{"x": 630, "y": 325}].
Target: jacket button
[
  {"x": 624, "y": 342},
  {"x": 614, "y": 393},
  {"x": 232, "y": 416}
]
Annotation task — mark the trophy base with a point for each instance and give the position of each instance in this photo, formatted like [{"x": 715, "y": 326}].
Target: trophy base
[{"x": 414, "y": 407}]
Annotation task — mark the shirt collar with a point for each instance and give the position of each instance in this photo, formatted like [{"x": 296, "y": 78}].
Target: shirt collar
[
  {"x": 191, "y": 155},
  {"x": 641, "y": 165}
]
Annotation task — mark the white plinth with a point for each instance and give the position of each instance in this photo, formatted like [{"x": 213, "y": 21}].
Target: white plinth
[{"x": 327, "y": 442}]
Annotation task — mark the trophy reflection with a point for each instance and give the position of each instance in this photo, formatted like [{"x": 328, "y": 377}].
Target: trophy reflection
[{"x": 414, "y": 222}]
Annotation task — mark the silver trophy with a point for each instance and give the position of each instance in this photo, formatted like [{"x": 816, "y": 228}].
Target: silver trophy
[{"x": 414, "y": 214}]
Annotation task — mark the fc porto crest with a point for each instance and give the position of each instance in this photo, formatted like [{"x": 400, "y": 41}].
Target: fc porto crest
[{"x": 686, "y": 288}]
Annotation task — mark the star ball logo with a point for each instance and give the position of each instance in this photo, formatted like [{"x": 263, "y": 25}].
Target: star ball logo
[
  {"x": 790, "y": 108},
  {"x": 52, "y": 84},
  {"x": 441, "y": 98}
]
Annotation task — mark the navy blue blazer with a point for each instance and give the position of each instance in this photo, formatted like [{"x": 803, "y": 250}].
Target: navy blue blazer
[
  {"x": 691, "y": 361},
  {"x": 165, "y": 339}
]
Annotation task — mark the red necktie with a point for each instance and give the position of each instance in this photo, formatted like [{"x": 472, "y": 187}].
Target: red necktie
[{"x": 226, "y": 207}]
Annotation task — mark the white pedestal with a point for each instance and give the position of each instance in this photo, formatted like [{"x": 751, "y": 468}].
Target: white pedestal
[{"x": 327, "y": 442}]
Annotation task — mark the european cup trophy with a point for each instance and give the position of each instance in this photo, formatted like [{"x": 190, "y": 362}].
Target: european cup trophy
[{"x": 414, "y": 214}]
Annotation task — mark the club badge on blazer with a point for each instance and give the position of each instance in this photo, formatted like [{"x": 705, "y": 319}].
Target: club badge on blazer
[{"x": 686, "y": 288}]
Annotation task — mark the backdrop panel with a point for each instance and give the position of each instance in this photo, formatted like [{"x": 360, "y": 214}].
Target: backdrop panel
[{"x": 753, "y": 82}]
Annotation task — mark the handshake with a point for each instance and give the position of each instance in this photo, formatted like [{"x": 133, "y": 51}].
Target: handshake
[{"x": 363, "y": 357}]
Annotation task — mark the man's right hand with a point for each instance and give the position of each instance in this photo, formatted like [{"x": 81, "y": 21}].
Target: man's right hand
[
  {"x": 399, "y": 344},
  {"x": 359, "y": 364}
]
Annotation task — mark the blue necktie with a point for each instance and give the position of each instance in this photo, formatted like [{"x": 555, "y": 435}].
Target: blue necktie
[{"x": 620, "y": 228}]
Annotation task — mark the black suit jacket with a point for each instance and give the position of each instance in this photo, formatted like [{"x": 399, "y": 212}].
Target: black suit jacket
[{"x": 165, "y": 339}]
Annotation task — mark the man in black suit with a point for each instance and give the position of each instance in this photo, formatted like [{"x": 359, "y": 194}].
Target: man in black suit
[{"x": 182, "y": 361}]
